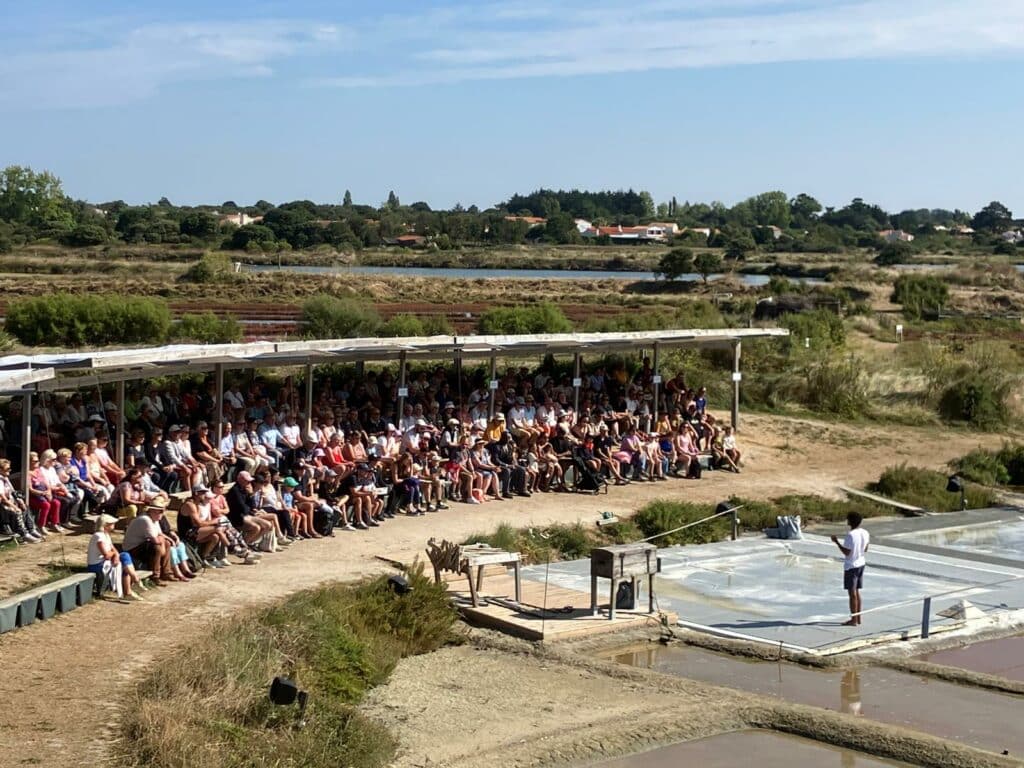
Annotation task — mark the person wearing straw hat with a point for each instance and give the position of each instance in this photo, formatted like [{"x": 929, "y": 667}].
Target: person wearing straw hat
[{"x": 105, "y": 561}]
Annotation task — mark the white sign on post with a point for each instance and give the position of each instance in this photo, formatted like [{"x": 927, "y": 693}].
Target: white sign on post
[
  {"x": 577, "y": 382},
  {"x": 737, "y": 376},
  {"x": 494, "y": 383},
  {"x": 403, "y": 391},
  {"x": 656, "y": 379}
]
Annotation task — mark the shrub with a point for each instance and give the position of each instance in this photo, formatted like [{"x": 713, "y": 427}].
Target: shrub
[
  {"x": 838, "y": 387},
  {"x": 1011, "y": 456},
  {"x": 209, "y": 329},
  {"x": 328, "y": 317},
  {"x": 211, "y": 268},
  {"x": 979, "y": 398},
  {"x": 540, "y": 318},
  {"x": 211, "y": 710},
  {"x": 402, "y": 325},
  {"x": 65, "y": 320},
  {"x": 675, "y": 264},
  {"x": 85, "y": 235},
  {"x": 893, "y": 253},
  {"x": 437, "y": 325},
  {"x": 920, "y": 294},
  {"x": 981, "y": 466},
  {"x": 825, "y": 329},
  {"x": 926, "y": 488}
]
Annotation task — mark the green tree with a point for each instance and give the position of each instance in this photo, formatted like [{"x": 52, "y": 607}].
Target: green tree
[
  {"x": 647, "y": 205},
  {"x": 770, "y": 208},
  {"x": 403, "y": 325},
  {"x": 803, "y": 209},
  {"x": 328, "y": 317},
  {"x": 893, "y": 253},
  {"x": 919, "y": 294},
  {"x": 34, "y": 199},
  {"x": 393, "y": 203},
  {"x": 251, "y": 233},
  {"x": 675, "y": 264},
  {"x": 994, "y": 217},
  {"x": 738, "y": 242},
  {"x": 707, "y": 263},
  {"x": 347, "y": 200},
  {"x": 199, "y": 225},
  {"x": 85, "y": 235}
]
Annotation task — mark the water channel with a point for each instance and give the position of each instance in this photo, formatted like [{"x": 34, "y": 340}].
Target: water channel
[
  {"x": 506, "y": 274},
  {"x": 773, "y": 750},
  {"x": 973, "y": 716}
]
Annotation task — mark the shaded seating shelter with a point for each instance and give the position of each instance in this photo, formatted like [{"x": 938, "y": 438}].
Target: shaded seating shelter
[{"x": 25, "y": 376}]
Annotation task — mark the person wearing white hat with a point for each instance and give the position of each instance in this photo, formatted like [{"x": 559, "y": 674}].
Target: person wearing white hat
[{"x": 103, "y": 559}]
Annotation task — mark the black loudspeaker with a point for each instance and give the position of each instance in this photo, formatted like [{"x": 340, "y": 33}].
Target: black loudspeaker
[
  {"x": 399, "y": 585},
  {"x": 955, "y": 484},
  {"x": 283, "y": 691}
]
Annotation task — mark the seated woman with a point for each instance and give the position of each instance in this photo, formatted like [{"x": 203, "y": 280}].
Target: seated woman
[
  {"x": 114, "y": 472},
  {"x": 14, "y": 512},
  {"x": 552, "y": 475},
  {"x": 729, "y": 449},
  {"x": 406, "y": 474},
  {"x": 130, "y": 495},
  {"x": 103, "y": 558},
  {"x": 603, "y": 447},
  {"x": 41, "y": 497},
  {"x": 196, "y": 524},
  {"x": 95, "y": 469},
  {"x": 686, "y": 453}
]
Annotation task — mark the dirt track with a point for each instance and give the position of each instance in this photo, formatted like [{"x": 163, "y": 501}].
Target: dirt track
[{"x": 63, "y": 678}]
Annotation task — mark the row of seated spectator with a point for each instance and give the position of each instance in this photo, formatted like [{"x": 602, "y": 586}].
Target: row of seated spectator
[{"x": 519, "y": 438}]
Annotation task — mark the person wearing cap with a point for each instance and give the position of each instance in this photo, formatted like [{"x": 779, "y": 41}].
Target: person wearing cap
[
  {"x": 495, "y": 428},
  {"x": 146, "y": 544},
  {"x": 242, "y": 513},
  {"x": 103, "y": 559},
  {"x": 300, "y": 510},
  {"x": 367, "y": 506},
  {"x": 42, "y": 498},
  {"x": 268, "y": 504},
  {"x": 450, "y": 436}
]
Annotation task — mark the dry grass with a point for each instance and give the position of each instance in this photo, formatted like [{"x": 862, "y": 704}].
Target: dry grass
[{"x": 207, "y": 707}]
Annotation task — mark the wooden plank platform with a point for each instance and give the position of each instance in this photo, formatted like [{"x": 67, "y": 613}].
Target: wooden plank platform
[
  {"x": 530, "y": 621},
  {"x": 906, "y": 509}
]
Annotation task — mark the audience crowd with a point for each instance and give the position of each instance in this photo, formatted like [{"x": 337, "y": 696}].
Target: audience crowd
[{"x": 373, "y": 451}]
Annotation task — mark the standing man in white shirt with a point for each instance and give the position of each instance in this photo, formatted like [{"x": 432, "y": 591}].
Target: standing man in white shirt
[{"x": 854, "y": 549}]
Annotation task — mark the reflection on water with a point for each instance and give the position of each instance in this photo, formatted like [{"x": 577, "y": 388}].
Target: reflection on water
[
  {"x": 981, "y": 718},
  {"x": 1002, "y": 658},
  {"x": 1004, "y": 539}
]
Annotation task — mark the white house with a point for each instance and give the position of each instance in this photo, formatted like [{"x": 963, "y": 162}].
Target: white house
[
  {"x": 896, "y": 236},
  {"x": 238, "y": 219}
]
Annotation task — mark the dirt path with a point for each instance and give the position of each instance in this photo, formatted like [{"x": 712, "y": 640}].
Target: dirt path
[{"x": 63, "y": 678}]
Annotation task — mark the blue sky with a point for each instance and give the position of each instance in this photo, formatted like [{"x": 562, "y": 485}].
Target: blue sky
[{"x": 907, "y": 103}]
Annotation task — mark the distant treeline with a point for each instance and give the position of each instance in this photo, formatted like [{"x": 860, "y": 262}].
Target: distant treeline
[{"x": 34, "y": 208}]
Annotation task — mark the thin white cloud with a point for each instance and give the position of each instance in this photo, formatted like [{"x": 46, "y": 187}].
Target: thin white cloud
[
  {"x": 522, "y": 40},
  {"x": 131, "y": 63}
]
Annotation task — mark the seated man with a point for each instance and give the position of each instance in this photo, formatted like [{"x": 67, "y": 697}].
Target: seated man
[{"x": 146, "y": 543}]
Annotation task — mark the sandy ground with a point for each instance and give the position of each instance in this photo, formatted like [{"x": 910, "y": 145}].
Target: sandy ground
[{"x": 63, "y": 678}]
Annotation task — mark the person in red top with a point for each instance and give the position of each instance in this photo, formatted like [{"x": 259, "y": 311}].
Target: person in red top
[{"x": 334, "y": 457}]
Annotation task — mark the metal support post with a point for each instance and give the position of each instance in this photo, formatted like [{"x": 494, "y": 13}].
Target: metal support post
[
  {"x": 736, "y": 377},
  {"x": 309, "y": 399},
  {"x": 401, "y": 386},
  {"x": 576, "y": 381},
  {"x": 926, "y": 616},
  {"x": 735, "y": 525},
  {"x": 120, "y": 424},
  {"x": 218, "y": 407},
  {"x": 494, "y": 392},
  {"x": 657, "y": 384},
  {"x": 26, "y": 443}
]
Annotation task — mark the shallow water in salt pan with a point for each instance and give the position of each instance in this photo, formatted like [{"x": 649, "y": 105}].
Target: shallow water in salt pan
[{"x": 773, "y": 750}]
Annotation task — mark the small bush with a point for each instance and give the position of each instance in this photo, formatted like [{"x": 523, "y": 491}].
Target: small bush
[
  {"x": 207, "y": 328},
  {"x": 540, "y": 318},
  {"x": 920, "y": 294},
  {"x": 328, "y": 317},
  {"x": 838, "y": 387},
  {"x": 402, "y": 325},
  {"x": 825, "y": 329},
  {"x": 981, "y": 466},
  {"x": 926, "y": 488},
  {"x": 211, "y": 268},
  {"x": 437, "y": 325},
  {"x": 979, "y": 398},
  {"x": 73, "y": 321}
]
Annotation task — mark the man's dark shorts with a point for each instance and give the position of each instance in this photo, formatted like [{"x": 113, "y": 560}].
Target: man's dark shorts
[{"x": 853, "y": 578}]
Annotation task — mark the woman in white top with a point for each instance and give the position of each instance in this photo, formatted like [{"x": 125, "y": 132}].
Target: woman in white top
[{"x": 102, "y": 557}]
